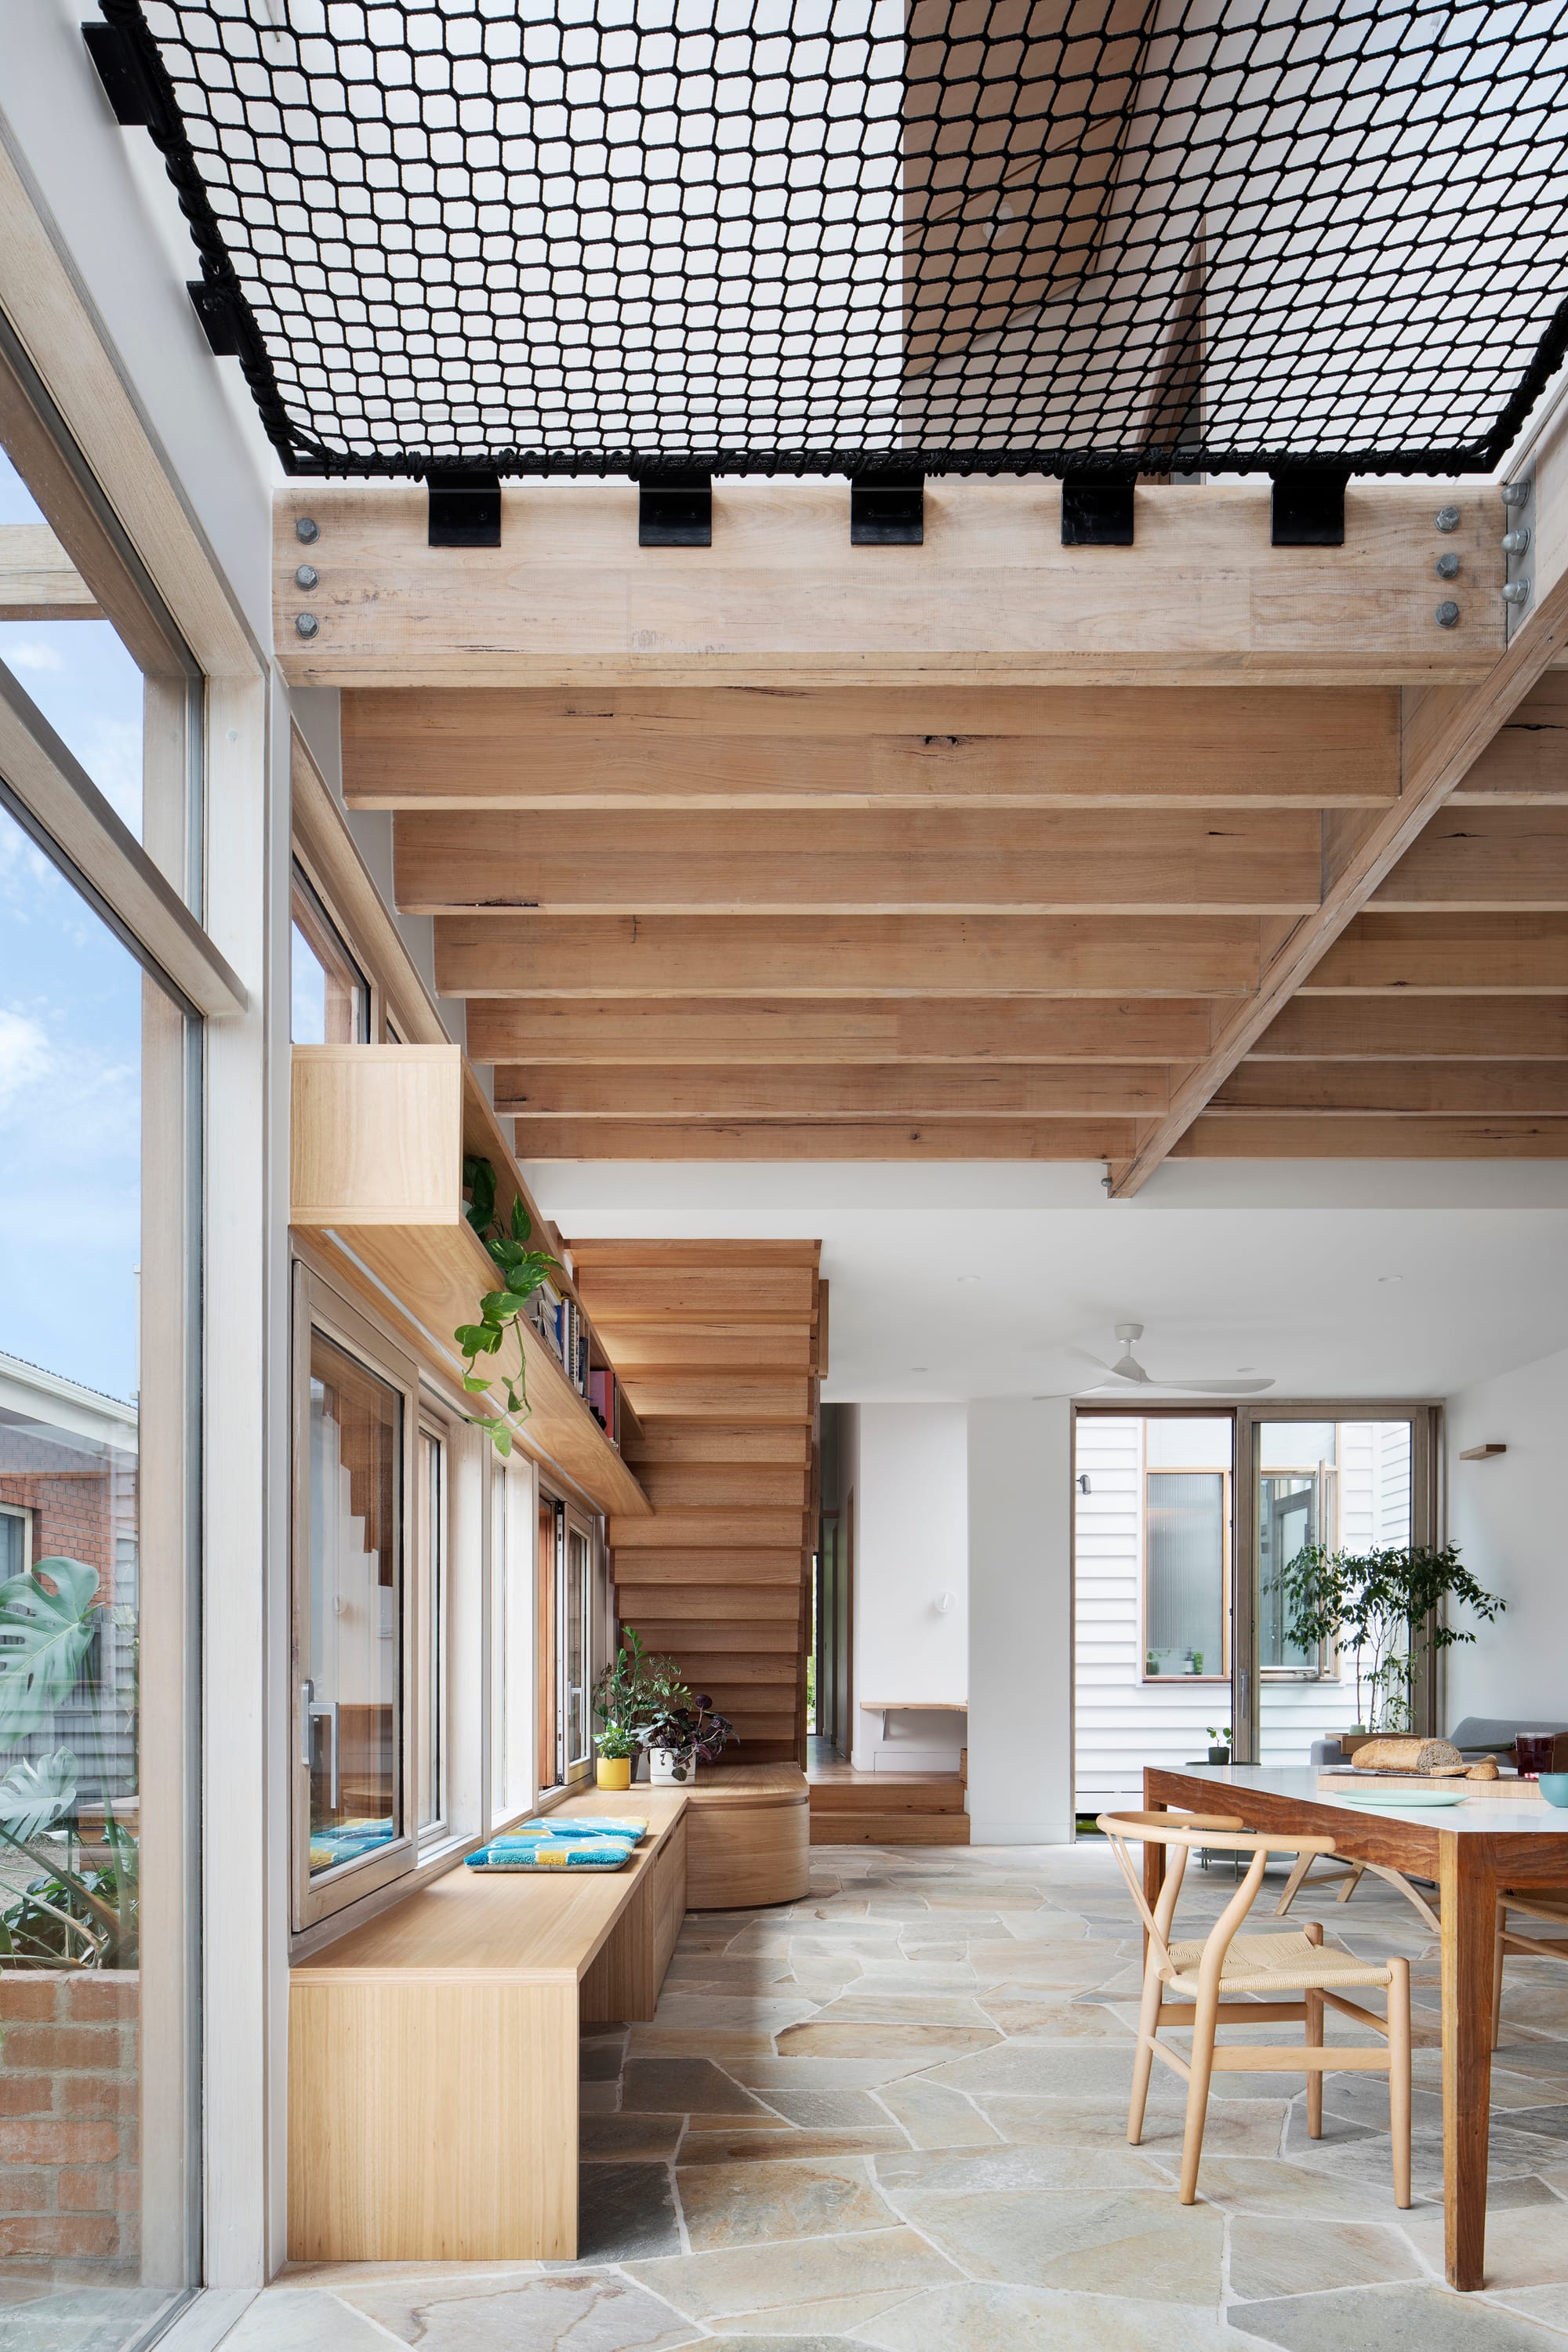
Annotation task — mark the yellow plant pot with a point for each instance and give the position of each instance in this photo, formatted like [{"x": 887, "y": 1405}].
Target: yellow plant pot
[{"x": 614, "y": 1771}]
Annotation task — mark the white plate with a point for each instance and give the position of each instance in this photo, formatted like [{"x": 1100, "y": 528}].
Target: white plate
[{"x": 1378, "y": 1799}]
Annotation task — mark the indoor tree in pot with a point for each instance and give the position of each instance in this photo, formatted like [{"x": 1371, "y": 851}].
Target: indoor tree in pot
[{"x": 1382, "y": 1605}]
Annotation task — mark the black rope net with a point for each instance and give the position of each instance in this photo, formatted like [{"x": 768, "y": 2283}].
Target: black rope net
[{"x": 852, "y": 236}]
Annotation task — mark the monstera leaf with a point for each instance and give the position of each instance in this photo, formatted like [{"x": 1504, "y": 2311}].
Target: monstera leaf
[
  {"x": 32, "y": 1796},
  {"x": 43, "y": 1637}
]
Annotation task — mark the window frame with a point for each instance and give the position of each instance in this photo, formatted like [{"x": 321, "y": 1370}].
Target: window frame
[
  {"x": 430, "y": 1609},
  {"x": 318, "y": 1306},
  {"x": 1227, "y": 1551},
  {"x": 26, "y": 1513},
  {"x": 306, "y": 897}
]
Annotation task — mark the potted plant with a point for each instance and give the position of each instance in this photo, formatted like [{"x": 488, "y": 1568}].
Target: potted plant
[
  {"x": 617, "y": 1745},
  {"x": 1219, "y": 1743},
  {"x": 627, "y": 1691},
  {"x": 1383, "y": 1605},
  {"x": 686, "y": 1731}
]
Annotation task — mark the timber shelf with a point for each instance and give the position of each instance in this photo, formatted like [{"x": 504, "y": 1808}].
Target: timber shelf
[{"x": 378, "y": 1137}]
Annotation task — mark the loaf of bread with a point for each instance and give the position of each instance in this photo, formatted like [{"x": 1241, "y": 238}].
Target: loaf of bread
[
  {"x": 1407, "y": 1755},
  {"x": 1487, "y": 1770}
]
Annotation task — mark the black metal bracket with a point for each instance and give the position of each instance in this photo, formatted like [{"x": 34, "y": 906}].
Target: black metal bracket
[
  {"x": 215, "y": 312},
  {"x": 1095, "y": 512},
  {"x": 120, "y": 70},
  {"x": 465, "y": 508},
  {"x": 675, "y": 509},
  {"x": 887, "y": 510},
  {"x": 1309, "y": 508}
]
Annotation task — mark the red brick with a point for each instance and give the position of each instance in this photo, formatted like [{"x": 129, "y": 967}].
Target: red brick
[
  {"x": 106, "y": 1996},
  {"x": 26, "y": 2190},
  {"x": 55, "y": 2046},
  {"x": 27, "y": 2095},
  {"x": 58, "y": 2143},
  {"x": 32, "y": 2000},
  {"x": 59, "y": 2233},
  {"x": 97, "y": 2095},
  {"x": 98, "y": 2188}
]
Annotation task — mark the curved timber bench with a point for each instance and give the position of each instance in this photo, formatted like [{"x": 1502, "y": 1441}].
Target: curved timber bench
[{"x": 747, "y": 1837}]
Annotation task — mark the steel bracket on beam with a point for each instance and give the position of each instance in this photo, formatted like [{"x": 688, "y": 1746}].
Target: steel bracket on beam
[
  {"x": 219, "y": 324},
  {"x": 1308, "y": 508},
  {"x": 675, "y": 509},
  {"x": 113, "y": 53},
  {"x": 465, "y": 509},
  {"x": 1096, "y": 513},
  {"x": 887, "y": 510}
]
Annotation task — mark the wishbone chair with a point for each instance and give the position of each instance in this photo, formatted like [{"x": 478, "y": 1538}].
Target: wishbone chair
[{"x": 1224, "y": 1961}]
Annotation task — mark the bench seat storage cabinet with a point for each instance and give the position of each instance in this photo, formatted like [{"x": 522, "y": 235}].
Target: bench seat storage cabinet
[{"x": 432, "y": 2055}]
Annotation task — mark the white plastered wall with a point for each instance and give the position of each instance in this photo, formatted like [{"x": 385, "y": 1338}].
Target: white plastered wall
[
  {"x": 1020, "y": 1620},
  {"x": 1505, "y": 1516},
  {"x": 912, "y": 1547}
]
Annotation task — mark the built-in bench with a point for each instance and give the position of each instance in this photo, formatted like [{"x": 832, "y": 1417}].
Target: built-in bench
[{"x": 433, "y": 2051}]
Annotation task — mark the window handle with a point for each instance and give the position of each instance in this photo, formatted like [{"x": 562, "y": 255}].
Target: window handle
[{"x": 307, "y": 1697}]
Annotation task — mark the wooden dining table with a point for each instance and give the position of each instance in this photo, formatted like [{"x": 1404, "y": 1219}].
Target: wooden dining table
[{"x": 1470, "y": 1851}]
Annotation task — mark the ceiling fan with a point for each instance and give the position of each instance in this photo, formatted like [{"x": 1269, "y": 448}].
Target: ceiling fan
[{"x": 1128, "y": 1372}]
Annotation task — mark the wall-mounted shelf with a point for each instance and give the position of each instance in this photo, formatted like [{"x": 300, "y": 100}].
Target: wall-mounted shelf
[
  {"x": 378, "y": 1138},
  {"x": 1482, "y": 1453}
]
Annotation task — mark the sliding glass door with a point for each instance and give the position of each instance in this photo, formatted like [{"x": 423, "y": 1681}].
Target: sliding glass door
[{"x": 1351, "y": 1479}]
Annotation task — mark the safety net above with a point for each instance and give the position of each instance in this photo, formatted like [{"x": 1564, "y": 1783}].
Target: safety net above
[{"x": 861, "y": 236}]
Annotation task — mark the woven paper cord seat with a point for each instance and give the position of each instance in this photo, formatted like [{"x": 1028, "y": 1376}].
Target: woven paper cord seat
[{"x": 1274, "y": 1964}]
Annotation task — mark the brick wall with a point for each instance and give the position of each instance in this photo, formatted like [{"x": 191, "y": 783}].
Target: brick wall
[
  {"x": 70, "y": 2093},
  {"x": 73, "y": 1515}
]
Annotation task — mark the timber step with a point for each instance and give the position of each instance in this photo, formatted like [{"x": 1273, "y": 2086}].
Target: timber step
[
  {"x": 889, "y": 1809},
  {"x": 889, "y": 1829}
]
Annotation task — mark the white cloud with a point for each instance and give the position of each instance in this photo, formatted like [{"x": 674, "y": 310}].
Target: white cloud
[
  {"x": 30, "y": 655},
  {"x": 24, "y": 1056}
]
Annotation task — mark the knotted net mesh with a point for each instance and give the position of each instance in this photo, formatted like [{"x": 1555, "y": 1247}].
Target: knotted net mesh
[{"x": 849, "y": 234}]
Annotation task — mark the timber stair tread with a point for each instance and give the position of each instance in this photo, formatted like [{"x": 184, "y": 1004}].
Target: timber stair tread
[{"x": 888, "y": 1809}]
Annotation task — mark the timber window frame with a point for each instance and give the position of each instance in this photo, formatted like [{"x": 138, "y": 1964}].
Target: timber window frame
[
  {"x": 1226, "y": 1570},
  {"x": 321, "y": 1311}
]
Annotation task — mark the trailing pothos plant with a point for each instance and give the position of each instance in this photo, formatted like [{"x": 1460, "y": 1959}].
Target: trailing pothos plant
[
  {"x": 523, "y": 1271},
  {"x": 76, "y": 1913}
]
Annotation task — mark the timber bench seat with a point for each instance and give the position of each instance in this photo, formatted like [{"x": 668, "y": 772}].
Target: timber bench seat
[{"x": 433, "y": 2053}]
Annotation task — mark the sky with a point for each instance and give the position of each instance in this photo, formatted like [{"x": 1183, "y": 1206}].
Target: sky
[{"x": 70, "y": 1033}]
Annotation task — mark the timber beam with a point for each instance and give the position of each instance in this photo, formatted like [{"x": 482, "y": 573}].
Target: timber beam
[
  {"x": 782, "y": 599},
  {"x": 820, "y": 748},
  {"x": 38, "y": 582}
]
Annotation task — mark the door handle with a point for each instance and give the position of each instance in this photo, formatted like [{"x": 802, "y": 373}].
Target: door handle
[{"x": 307, "y": 1696}]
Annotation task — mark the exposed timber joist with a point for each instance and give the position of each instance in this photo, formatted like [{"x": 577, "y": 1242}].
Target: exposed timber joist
[
  {"x": 780, "y": 1031},
  {"x": 1283, "y": 1135},
  {"x": 570, "y": 600},
  {"x": 964, "y": 861},
  {"x": 38, "y": 582},
  {"x": 1444, "y": 955},
  {"x": 1527, "y": 758},
  {"x": 924, "y": 1091},
  {"x": 1454, "y": 1028},
  {"x": 1064, "y": 747},
  {"x": 886, "y": 956},
  {"x": 784, "y": 1140},
  {"x": 1416, "y": 1088}
]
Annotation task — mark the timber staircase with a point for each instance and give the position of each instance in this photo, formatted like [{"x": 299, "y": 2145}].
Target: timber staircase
[{"x": 716, "y": 1346}]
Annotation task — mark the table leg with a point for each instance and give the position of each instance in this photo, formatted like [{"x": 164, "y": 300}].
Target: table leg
[
  {"x": 1467, "y": 1906},
  {"x": 1154, "y": 1861}
]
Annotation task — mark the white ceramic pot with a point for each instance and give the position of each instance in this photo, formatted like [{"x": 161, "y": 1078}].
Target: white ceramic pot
[{"x": 668, "y": 1767}]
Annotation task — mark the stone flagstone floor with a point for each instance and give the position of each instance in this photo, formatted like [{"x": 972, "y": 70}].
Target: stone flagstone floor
[{"x": 893, "y": 2114}]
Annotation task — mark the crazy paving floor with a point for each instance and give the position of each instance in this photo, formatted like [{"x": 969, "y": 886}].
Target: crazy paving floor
[{"x": 894, "y": 2115}]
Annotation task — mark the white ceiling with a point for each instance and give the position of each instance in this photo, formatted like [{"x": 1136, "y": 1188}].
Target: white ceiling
[{"x": 1273, "y": 1266}]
